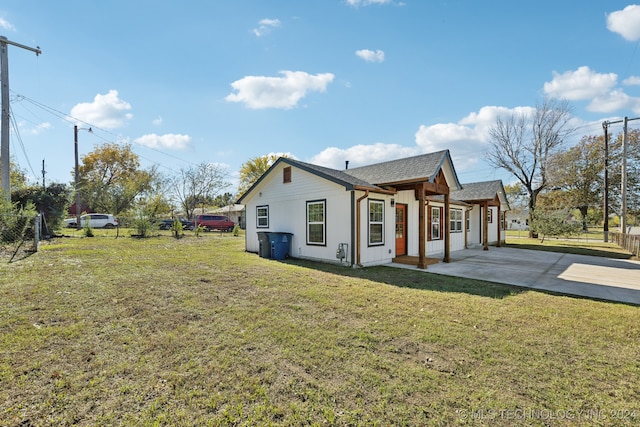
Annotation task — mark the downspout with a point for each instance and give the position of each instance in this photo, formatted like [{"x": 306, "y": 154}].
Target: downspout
[
  {"x": 352, "y": 256},
  {"x": 358, "y": 232}
]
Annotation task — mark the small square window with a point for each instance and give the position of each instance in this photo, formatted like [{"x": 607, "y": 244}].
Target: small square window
[{"x": 262, "y": 217}]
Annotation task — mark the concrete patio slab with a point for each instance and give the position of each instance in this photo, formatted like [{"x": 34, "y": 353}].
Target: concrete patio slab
[{"x": 586, "y": 276}]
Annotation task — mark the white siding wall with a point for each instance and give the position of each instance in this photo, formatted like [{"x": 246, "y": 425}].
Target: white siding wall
[
  {"x": 434, "y": 248},
  {"x": 475, "y": 229},
  {"x": 377, "y": 254},
  {"x": 475, "y": 234},
  {"x": 287, "y": 212}
]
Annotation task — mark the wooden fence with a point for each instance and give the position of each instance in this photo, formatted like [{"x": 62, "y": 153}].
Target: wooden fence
[{"x": 630, "y": 242}]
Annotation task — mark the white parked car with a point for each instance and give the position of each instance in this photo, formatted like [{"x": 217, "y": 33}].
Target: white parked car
[{"x": 96, "y": 220}]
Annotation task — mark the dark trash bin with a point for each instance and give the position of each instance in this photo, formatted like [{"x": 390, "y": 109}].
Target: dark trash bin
[
  {"x": 265, "y": 245},
  {"x": 280, "y": 245}
]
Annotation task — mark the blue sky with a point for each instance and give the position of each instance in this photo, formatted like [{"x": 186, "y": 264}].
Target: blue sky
[{"x": 224, "y": 81}]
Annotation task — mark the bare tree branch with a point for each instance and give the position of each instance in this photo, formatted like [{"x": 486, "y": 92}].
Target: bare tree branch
[{"x": 523, "y": 144}]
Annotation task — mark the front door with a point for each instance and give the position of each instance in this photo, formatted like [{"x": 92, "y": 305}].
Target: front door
[{"x": 401, "y": 230}]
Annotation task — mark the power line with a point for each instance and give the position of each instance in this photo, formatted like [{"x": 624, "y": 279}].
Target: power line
[
  {"x": 71, "y": 120},
  {"x": 19, "y": 138}
]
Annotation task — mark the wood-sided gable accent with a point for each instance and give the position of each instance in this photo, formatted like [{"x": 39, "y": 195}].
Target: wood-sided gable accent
[{"x": 430, "y": 187}]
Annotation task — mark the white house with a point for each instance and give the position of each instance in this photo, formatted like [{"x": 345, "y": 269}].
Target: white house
[{"x": 361, "y": 216}]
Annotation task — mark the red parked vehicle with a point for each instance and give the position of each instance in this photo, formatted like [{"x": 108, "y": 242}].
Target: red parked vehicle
[{"x": 213, "y": 222}]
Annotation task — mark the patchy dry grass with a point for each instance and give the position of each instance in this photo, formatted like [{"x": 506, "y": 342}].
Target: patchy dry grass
[{"x": 195, "y": 332}]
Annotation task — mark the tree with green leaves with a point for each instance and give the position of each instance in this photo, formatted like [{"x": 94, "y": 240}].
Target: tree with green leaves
[
  {"x": 51, "y": 201},
  {"x": 223, "y": 200},
  {"x": 633, "y": 172},
  {"x": 111, "y": 178},
  {"x": 576, "y": 176},
  {"x": 523, "y": 144},
  {"x": 554, "y": 223},
  {"x": 254, "y": 168}
]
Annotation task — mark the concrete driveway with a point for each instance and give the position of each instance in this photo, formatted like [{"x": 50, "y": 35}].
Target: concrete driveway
[{"x": 586, "y": 276}]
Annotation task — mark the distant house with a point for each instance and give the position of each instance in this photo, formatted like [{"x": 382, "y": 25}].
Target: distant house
[{"x": 367, "y": 216}]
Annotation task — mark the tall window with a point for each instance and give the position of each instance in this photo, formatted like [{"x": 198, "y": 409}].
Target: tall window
[
  {"x": 286, "y": 174},
  {"x": 455, "y": 220},
  {"x": 316, "y": 228},
  {"x": 376, "y": 222},
  {"x": 489, "y": 215},
  {"x": 262, "y": 217},
  {"x": 435, "y": 223}
]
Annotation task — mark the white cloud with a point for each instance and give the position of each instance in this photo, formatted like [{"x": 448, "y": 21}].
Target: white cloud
[
  {"x": 614, "y": 101},
  {"x": 371, "y": 55},
  {"x": 357, "y": 3},
  {"x": 36, "y": 130},
  {"x": 6, "y": 25},
  {"x": 632, "y": 81},
  {"x": 466, "y": 140},
  {"x": 597, "y": 88},
  {"x": 265, "y": 26},
  {"x": 284, "y": 92},
  {"x": 106, "y": 111},
  {"x": 580, "y": 84},
  {"x": 360, "y": 155},
  {"x": 625, "y": 22},
  {"x": 157, "y": 121},
  {"x": 169, "y": 140}
]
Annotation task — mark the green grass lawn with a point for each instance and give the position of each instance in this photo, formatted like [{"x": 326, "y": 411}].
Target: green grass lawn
[
  {"x": 572, "y": 246},
  {"x": 196, "y": 332}
]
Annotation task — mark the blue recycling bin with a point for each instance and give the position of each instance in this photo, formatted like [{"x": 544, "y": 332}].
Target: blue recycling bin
[{"x": 280, "y": 245}]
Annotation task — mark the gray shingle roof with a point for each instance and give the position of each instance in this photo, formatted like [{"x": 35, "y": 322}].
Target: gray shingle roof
[
  {"x": 486, "y": 190},
  {"x": 401, "y": 170},
  {"x": 417, "y": 168},
  {"x": 334, "y": 175}
]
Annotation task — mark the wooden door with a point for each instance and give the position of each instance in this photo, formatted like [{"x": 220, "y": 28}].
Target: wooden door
[{"x": 401, "y": 230}]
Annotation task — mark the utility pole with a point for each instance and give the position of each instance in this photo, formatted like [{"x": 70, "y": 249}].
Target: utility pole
[
  {"x": 77, "y": 172},
  {"x": 605, "y": 126},
  {"x": 4, "y": 137},
  {"x": 44, "y": 172},
  {"x": 623, "y": 213},
  {"x": 623, "y": 189}
]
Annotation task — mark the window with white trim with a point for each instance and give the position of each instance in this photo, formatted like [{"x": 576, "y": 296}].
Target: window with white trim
[
  {"x": 435, "y": 223},
  {"x": 489, "y": 215},
  {"x": 455, "y": 220},
  {"x": 262, "y": 216},
  {"x": 316, "y": 226},
  {"x": 376, "y": 222}
]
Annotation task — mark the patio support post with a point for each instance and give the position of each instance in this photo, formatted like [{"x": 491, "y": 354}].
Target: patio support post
[
  {"x": 485, "y": 226},
  {"x": 447, "y": 230},
  {"x": 422, "y": 241},
  {"x": 499, "y": 228}
]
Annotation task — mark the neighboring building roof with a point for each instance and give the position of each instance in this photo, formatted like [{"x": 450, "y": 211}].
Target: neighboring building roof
[
  {"x": 481, "y": 191},
  {"x": 405, "y": 170},
  {"x": 228, "y": 209}
]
